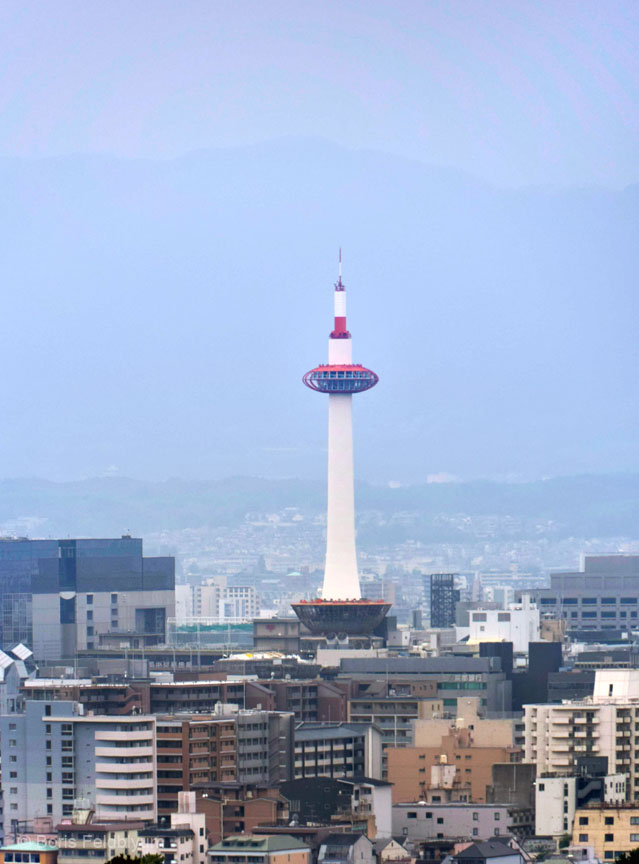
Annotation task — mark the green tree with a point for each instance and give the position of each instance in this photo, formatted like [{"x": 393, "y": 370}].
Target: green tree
[
  {"x": 136, "y": 859},
  {"x": 631, "y": 857}
]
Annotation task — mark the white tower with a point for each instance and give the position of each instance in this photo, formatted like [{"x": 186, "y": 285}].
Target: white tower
[{"x": 340, "y": 379}]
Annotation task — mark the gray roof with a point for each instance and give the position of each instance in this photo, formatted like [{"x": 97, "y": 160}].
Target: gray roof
[
  {"x": 312, "y": 731},
  {"x": 346, "y": 839},
  {"x": 419, "y": 665},
  {"x": 360, "y": 779},
  {"x": 257, "y": 843},
  {"x": 489, "y": 849}
]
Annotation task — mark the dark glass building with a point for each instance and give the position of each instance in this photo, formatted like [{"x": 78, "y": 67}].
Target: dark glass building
[{"x": 59, "y": 596}]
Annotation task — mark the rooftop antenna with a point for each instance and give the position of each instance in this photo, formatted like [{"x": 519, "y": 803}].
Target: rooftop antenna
[{"x": 340, "y": 285}]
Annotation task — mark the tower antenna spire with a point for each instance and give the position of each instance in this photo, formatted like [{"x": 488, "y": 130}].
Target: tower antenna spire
[{"x": 339, "y": 270}]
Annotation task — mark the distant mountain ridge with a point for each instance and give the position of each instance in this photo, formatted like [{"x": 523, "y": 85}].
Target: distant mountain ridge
[
  {"x": 583, "y": 506},
  {"x": 157, "y": 316}
]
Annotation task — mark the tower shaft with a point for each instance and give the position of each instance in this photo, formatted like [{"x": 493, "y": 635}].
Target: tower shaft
[{"x": 341, "y": 580}]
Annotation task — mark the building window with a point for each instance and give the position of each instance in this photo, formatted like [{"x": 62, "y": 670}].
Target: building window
[
  {"x": 475, "y": 817},
  {"x": 411, "y": 815},
  {"x": 541, "y": 787},
  {"x": 89, "y": 599},
  {"x": 583, "y": 838},
  {"x": 89, "y": 614},
  {"x": 583, "y": 820},
  {"x": 47, "y": 710},
  {"x": 475, "y": 832},
  {"x": 609, "y": 820},
  {"x": 497, "y": 817},
  {"x": 634, "y": 838},
  {"x": 609, "y": 838}
]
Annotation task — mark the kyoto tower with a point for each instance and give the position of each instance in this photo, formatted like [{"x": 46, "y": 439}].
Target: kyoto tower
[{"x": 341, "y": 609}]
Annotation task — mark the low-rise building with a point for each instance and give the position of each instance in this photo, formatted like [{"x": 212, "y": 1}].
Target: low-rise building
[
  {"x": 422, "y": 821},
  {"x": 255, "y": 849},
  {"x": 29, "y": 853},
  {"x": 346, "y": 849},
  {"x": 489, "y": 852},
  {"x": 83, "y": 838}
]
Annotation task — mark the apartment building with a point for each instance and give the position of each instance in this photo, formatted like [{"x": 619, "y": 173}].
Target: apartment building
[
  {"x": 53, "y": 754},
  {"x": 557, "y": 736},
  {"x": 229, "y": 747},
  {"x": 606, "y": 830},
  {"x": 338, "y": 750}
]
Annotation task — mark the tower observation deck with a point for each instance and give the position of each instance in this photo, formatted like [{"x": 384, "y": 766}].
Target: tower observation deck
[{"x": 341, "y": 608}]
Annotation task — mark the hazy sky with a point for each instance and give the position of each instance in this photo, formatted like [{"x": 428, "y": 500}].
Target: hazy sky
[{"x": 514, "y": 92}]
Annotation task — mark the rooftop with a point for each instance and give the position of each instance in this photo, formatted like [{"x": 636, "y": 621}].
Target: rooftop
[
  {"x": 346, "y": 839},
  {"x": 489, "y": 849},
  {"x": 29, "y": 847},
  {"x": 256, "y": 843}
]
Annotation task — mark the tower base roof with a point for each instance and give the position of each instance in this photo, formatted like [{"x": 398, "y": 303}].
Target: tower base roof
[{"x": 351, "y": 617}]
